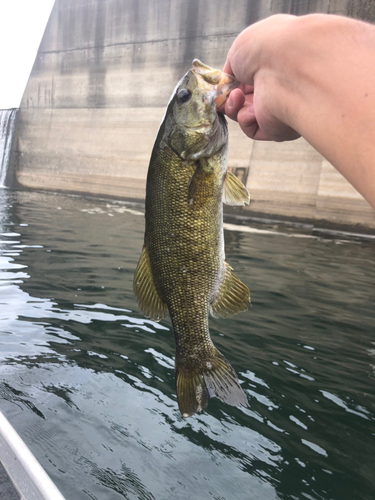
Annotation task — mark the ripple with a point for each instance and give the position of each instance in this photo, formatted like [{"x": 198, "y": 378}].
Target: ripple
[{"x": 89, "y": 382}]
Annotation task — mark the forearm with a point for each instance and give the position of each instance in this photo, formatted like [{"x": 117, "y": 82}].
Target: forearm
[{"x": 323, "y": 72}]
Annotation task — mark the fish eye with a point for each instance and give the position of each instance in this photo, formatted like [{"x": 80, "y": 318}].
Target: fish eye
[{"x": 183, "y": 96}]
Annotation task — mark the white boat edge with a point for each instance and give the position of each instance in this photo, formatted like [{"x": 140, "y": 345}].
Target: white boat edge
[{"x": 32, "y": 468}]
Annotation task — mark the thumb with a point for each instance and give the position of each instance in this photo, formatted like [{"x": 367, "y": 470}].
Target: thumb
[{"x": 227, "y": 68}]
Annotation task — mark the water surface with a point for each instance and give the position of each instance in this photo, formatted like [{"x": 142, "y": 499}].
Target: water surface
[{"x": 89, "y": 383}]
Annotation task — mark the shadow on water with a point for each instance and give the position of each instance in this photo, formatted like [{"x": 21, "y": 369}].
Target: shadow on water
[{"x": 89, "y": 383}]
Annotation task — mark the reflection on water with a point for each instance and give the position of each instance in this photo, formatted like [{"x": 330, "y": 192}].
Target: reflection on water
[{"x": 89, "y": 383}]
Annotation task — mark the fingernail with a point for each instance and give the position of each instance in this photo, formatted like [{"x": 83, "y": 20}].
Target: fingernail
[
  {"x": 230, "y": 102},
  {"x": 251, "y": 109}
]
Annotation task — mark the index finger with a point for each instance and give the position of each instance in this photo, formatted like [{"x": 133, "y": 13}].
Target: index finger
[{"x": 247, "y": 89}]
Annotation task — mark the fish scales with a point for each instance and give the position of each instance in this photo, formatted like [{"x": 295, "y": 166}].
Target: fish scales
[
  {"x": 182, "y": 268},
  {"x": 184, "y": 239}
]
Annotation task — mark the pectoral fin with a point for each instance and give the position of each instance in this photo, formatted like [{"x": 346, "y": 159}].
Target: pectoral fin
[
  {"x": 232, "y": 296},
  {"x": 234, "y": 192},
  {"x": 201, "y": 187},
  {"x": 145, "y": 292}
]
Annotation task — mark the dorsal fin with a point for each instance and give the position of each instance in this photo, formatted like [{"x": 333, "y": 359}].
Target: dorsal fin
[
  {"x": 234, "y": 192},
  {"x": 231, "y": 297},
  {"x": 145, "y": 292}
]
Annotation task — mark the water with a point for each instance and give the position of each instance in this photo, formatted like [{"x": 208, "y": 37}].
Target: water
[
  {"x": 89, "y": 383},
  {"x": 7, "y": 125}
]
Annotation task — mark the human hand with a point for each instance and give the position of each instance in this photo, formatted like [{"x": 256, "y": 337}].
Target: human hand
[
  {"x": 303, "y": 75},
  {"x": 255, "y": 104}
]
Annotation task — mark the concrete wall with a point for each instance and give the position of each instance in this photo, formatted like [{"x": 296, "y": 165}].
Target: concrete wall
[{"x": 98, "y": 90}]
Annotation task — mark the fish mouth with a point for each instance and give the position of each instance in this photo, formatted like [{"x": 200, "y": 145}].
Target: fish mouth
[
  {"x": 222, "y": 82},
  {"x": 224, "y": 88}
]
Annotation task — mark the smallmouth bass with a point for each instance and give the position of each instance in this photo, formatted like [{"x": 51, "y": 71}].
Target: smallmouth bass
[{"x": 182, "y": 269}]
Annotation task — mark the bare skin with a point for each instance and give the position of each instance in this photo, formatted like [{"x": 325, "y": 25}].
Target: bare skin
[{"x": 310, "y": 76}]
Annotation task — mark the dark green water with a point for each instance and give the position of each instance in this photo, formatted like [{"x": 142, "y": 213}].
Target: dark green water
[{"x": 89, "y": 383}]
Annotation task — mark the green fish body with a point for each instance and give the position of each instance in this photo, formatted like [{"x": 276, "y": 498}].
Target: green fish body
[{"x": 182, "y": 269}]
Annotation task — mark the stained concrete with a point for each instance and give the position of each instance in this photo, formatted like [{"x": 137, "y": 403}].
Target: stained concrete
[{"x": 98, "y": 90}]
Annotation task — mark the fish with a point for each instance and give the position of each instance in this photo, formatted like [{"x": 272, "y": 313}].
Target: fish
[{"x": 182, "y": 270}]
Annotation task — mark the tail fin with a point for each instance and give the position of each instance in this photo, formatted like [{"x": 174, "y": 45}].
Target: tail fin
[{"x": 216, "y": 379}]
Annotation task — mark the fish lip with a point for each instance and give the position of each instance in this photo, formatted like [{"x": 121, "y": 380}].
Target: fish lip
[
  {"x": 222, "y": 83},
  {"x": 224, "y": 88}
]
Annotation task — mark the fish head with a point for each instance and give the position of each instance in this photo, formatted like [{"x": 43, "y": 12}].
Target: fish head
[{"x": 193, "y": 127}]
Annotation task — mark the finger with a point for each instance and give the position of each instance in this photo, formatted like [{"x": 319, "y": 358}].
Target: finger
[
  {"x": 249, "y": 124},
  {"x": 247, "y": 89},
  {"x": 233, "y": 104},
  {"x": 227, "y": 67},
  {"x": 247, "y": 121}
]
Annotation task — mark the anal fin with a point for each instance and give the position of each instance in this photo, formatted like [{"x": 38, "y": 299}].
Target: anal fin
[
  {"x": 145, "y": 292},
  {"x": 231, "y": 297},
  {"x": 234, "y": 192}
]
